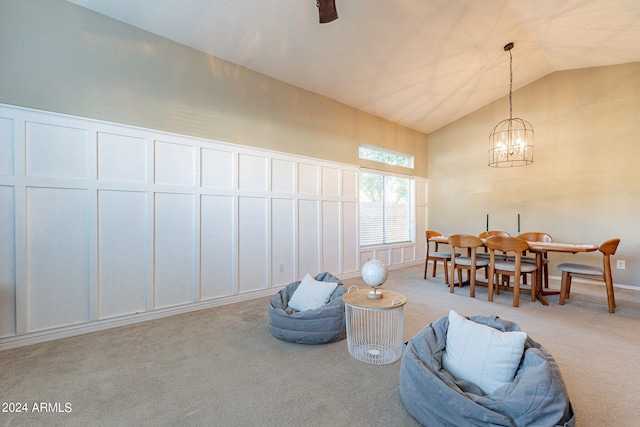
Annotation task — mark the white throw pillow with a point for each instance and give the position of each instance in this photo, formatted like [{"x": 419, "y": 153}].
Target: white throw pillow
[
  {"x": 481, "y": 354},
  {"x": 311, "y": 294}
]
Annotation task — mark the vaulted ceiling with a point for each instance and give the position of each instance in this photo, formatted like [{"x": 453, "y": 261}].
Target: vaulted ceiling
[{"x": 420, "y": 63}]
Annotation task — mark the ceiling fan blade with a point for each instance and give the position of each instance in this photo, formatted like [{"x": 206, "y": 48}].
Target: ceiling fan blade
[{"x": 327, "y": 10}]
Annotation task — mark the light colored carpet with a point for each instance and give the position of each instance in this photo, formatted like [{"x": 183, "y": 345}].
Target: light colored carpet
[{"x": 222, "y": 367}]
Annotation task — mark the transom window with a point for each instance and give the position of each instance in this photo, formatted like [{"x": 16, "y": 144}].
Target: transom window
[{"x": 381, "y": 155}]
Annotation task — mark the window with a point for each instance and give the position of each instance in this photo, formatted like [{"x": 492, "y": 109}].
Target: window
[
  {"x": 368, "y": 152},
  {"x": 385, "y": 209}
]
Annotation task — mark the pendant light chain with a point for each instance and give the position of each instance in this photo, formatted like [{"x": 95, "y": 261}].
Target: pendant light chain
[{"x": 510, "y": 84}]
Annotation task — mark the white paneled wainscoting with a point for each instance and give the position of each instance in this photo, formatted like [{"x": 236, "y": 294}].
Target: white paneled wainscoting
[{"x": 103, "y": 225}]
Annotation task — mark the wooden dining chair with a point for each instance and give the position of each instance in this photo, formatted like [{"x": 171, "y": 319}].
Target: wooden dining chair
[
  {"x": 538, "y": 236},
  {"x": 603, "y": 274},
  {"x": 485, "y": 253},
  {"x": 470, "y": 262},
  {"x": 505, "y": 267},
  {"x": 487, "y": 234},
  {"x": 435, "y": 256}
]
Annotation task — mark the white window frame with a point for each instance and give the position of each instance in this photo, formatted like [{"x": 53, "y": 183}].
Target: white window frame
[{"x": 410, "y": 214}]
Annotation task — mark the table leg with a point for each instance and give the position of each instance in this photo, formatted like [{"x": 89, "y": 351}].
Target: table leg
[
  {"x": 538, "y": 282},
  {"x": 542, "y": 291}
]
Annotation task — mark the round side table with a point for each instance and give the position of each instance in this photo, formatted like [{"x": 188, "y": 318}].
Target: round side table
[{"x": 374, "y": 326}]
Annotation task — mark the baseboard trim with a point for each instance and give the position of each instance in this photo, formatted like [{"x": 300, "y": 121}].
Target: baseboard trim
[{"x": 31, "y": 338}]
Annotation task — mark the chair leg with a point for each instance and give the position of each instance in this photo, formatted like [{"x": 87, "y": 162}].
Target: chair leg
[
  {"x": 564, "y": 286},
  {"x": 452, "y": 277},
  {"x": 472, "y": 283},
  {"x": 610, "y": 296},
  {"x": 490, "y": 278},
  {"x": 426, "y": 264},
  {"x": 446, "y": 271},
  {"x": 534, "y": 281},
  {"x": 516, "y": 291},
  {"x": 435, "y": 262}
]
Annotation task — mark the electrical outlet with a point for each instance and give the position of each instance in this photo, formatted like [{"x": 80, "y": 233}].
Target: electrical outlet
[
  {"x": 621, "y": 264},
  {"x": 281, "y": 268}
]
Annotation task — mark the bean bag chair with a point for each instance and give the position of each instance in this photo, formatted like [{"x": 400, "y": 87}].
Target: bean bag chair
[
  {"x": 316, "y": 326},
  {"x": 537, "y": 395}
]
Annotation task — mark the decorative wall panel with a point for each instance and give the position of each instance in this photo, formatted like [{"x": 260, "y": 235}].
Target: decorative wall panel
[
  {"x": 7, "y": 262},
  {"x": 122, "y": 158},
  {"x": 384, "y": 255},
  {"x": 331, "y": 181},
  {"x": 282, "y": 176},
  {"x": 217, "y": 246},
  {"x": 308, "y": 238},
  {"x": 350, "y": 184},
  {"x": 6, "y": 146},
  {"x": 174, "y": 249},
  {"x": 252, "y": 172},
  {"x": 252, "y": 243},
  {"x": 58, "y": 254},
  {"x": 408, "y": 254},
  {"x": 123, "y": 251},
  {"x": 350, "y": 248},
  {"x": 283, "y": 241},
  {"x": 396, "y": 255},
  {"x": 366, "y": 256},
  {"x": 308, "y": 179},
  {"x": 56, "y": 151},
  {"x": 331, "y": 242},
  {"x": 217, "y": 168},
  {"x": 175, "y": 163}
]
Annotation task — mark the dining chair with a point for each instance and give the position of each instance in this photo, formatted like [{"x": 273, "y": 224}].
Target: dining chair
[
  {"x": 469, "y": 262},
  {"x": 570, "y": 270},
  {"x": 487, "y": 234},
  {"x": 436, "y": 256},
  {"x": 485, "y": 254},
  {"x": 506, "y": 267},
  {"x": 538, "y": 236}
]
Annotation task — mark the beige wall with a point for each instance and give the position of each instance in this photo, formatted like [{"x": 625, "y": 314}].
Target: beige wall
[
  {"x": 57, "y": 56},
  {"x": 584, "y": 184}
]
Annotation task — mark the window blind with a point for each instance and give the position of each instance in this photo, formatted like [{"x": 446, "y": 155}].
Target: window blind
[{"x": 385, "y": 209}]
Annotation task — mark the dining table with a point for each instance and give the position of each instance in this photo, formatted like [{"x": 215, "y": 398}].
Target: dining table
[{"x": 539, "y": 249}]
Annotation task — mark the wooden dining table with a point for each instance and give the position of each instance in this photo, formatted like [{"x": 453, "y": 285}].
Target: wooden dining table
[{"x": 539, "y": 249}]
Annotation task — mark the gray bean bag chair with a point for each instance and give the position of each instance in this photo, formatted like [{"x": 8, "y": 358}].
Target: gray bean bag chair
[
  {"x": 536, "y": 397},
  {"x": 318, "y": 326}
]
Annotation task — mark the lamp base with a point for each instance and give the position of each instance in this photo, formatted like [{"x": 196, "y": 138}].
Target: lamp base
[{"x": 374, "y": 294}]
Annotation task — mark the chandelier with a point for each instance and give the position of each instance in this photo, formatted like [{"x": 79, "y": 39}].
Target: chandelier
[{"x": 511, "y": 141}]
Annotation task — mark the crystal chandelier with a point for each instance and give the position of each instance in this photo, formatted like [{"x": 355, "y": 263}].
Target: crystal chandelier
[{"x": 511, "y": 141}]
